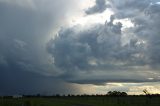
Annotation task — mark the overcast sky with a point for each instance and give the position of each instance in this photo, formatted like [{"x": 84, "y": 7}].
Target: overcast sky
[{"x": 84, "y": 46}]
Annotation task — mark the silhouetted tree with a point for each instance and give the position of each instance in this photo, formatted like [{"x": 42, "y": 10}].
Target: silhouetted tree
[
  {"x": 116, "y": 93},
  {"x": 146, "y": 92},
  {"x": 57, "y": 95},
  {"x": 123, "y": 93}
]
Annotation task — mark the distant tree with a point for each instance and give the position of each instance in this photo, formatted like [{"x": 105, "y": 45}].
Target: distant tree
[
  {"x": 38, "y": 95},
  {"x": 69, "y": 95},
  {"x": 123, "y": 93},
  {"x": 146, "y": 92},
  {"x": 110, "y": 93},
  {"x": 57, "y": 95},
  {"x": 116, "y": 93}
]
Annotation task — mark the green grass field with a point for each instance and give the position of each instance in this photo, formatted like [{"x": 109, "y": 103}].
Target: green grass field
[{"x": 83, "y": 101}]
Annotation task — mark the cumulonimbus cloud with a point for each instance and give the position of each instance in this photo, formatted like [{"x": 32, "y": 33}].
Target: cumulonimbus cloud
[
  {"x": 94, "y": 55},
  {"x": 98, "y": 54}
]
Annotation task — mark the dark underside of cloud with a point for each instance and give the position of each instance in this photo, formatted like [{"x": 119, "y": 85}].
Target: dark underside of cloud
[{"x": 93, "y": 55}]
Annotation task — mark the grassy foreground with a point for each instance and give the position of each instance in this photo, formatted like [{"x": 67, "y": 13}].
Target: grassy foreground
[{"x": 82, "y": 101}]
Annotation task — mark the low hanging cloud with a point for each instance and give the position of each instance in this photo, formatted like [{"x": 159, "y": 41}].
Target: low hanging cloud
[
  {"x": 99, "y": 7},
  {"x": 98, "y": 54}
]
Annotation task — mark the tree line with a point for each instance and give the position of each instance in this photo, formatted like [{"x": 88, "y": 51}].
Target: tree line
[{"x": 110, "y": 93}]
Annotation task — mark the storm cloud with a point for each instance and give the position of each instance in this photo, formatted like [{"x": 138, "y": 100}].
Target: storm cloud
[
  {"x": 40, "y": 52},
  {"x": 99, "y": 54},
  {"x": 25, "y": 26},
  {"x": 99, "y": 7}
]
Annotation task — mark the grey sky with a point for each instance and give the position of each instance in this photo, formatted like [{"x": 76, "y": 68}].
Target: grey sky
[{"x": 38, "y": 47}]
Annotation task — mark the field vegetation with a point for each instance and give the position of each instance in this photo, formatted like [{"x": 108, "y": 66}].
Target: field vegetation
[{"x": 111, "y": 99}]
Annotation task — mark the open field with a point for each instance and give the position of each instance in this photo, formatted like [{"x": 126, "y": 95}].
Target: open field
[{"x": 82, "y": 101}]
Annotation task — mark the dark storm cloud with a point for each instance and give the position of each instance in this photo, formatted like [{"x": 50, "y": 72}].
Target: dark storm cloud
[
  {"x": 98, "y": 54},
  {"x": 128, "y": 8},
  {"x": 151, "y": 34},
  {"x": 99, "y": 7},
  {"x": 92, "y": 55},
  {"x": 24, "y": 29},
  {"x": 146, "y": 23},
  {"x": 93, "y": 50}
]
